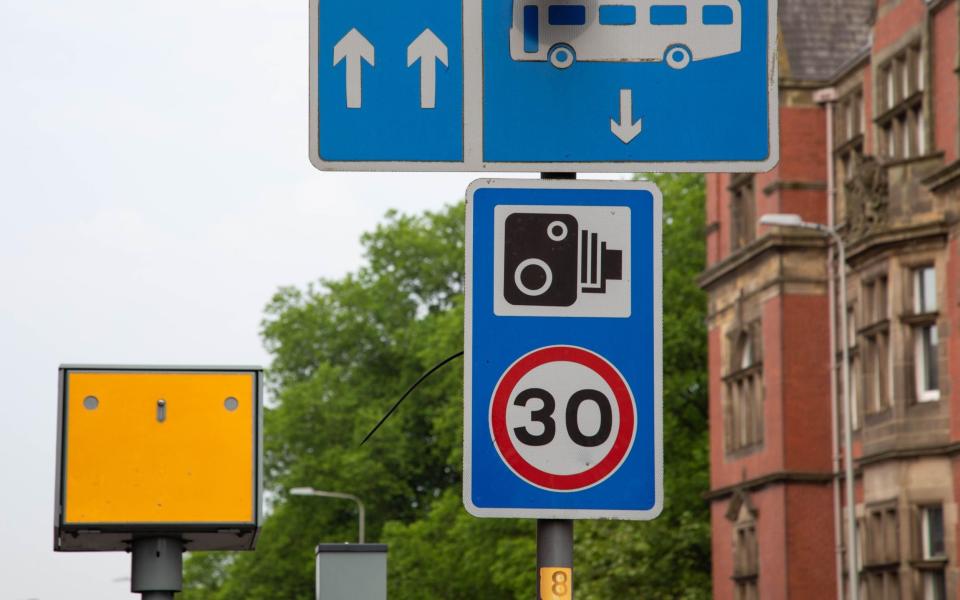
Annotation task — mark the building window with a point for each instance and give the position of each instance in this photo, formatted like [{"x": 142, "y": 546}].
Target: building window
[
  {"x": 854, "y": 361},
  {"x": 746, "y": 565},
  {"x": 875, "y": 367},
  {"x": 849, "y": 117},
  {"x": 848, "y": 135},
  {"x": 854, "y": 399},
  {"x": 882, "y": 553},
  {"x": 743, "y": 426},
  {"x": 743, "y": 213},
  {"x": 932, "y": 533},
  {"x": 901, "y": 123},
  {"x": 926, "y": 341},
  {"x": 932, "y": 556}
]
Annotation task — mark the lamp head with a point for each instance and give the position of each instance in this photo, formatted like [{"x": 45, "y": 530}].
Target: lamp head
[
  {"x": 301, "y": 491},
  {"x": 782, "y": 220}
]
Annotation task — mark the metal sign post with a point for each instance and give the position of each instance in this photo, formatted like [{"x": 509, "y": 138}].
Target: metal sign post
[
  {"x": 554, "y": 559},
  {"x": 157, "y": 568},
  {"x": 555, "y": 536}
]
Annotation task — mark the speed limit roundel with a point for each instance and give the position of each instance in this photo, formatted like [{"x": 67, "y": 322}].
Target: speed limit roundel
[{"x": 563, "y": 418}]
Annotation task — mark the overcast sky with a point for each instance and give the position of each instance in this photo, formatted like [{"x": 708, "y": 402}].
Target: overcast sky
[{"x": 155, "y": 192}]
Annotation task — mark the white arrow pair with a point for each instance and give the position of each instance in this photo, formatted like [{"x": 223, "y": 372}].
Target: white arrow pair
[
  {"x": 626, "y": 129},
  {"x": 355, "y": 48}
]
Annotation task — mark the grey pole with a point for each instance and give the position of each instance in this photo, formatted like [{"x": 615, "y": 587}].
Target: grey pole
[
  {"x": 555, "y": 536},
  {"x": 791, "y": 220},
  {"x": 554, "y": 548},
  {"x": 361, "y": 511},
  {"x": 157, "y": 568},
  {"x": 853, "y": 577},
  {"x": 852, "y": 574}
]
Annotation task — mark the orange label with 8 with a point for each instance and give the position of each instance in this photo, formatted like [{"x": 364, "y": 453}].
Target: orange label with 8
[{"x": 556, "y": 583}]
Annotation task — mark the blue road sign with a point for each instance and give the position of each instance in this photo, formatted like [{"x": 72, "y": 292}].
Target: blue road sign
[
  {"x": 563, "y": 329},
  {"x": 544, "y": 85}
]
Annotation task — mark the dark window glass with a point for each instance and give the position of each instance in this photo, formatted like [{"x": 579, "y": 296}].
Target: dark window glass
[
  {"x": 668, "y": 15},
  {"x": 564, "y": 14},
  {"x": 618, "y": 14},
  {"x": 934, "y": 586},
  {"x": 934, "y": 533},
  {"x": 717, "y": 15},
  {"x": 531, "y": 28}
]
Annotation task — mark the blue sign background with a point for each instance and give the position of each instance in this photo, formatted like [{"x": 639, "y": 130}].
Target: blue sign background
[
  {"x": 627, "y": 343},
  {"x": 713, "y": 110},
  {"x": 390, "y": 125}
]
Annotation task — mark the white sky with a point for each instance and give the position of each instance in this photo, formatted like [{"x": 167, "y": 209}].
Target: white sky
[{"x": 154, "y": 192}]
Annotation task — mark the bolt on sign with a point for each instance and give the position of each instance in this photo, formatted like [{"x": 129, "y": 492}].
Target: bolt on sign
[{"x": 158, "y": 451}]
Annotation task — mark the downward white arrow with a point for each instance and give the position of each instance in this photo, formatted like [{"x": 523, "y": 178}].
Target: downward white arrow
[
  {"x": 428, "y": 49},
  {"x": 626, "y": 129},
  {"x": 355, "y": 48}
]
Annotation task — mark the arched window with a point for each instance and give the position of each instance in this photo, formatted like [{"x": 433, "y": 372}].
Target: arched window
[
  {"x": 746, "y": 550},
  {"x": 743, "y": 411}
]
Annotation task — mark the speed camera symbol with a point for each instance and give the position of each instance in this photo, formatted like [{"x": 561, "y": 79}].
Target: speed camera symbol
[{"x": 549, "y": 260}]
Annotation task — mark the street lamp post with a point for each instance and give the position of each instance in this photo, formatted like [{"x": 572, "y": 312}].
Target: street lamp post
[
  {"x": 795, "y": 222},
  {"x": 361, "y": 513}
]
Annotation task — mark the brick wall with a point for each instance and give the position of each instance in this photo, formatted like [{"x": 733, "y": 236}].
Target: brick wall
[
  {"x": 806, "y": 383},
  {"x": 946, "y": 105}
]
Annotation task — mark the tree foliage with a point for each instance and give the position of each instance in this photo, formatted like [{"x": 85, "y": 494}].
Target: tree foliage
[{"x": 345, "y": 350}]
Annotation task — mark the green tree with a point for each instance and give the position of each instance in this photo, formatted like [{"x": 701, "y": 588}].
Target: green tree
[
  {"x": 669, "y": 557},
  {"x": 345, "y": 350}
]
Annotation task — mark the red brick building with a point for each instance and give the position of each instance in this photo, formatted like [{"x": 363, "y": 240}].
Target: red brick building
[{"x": 869, "y": 113}]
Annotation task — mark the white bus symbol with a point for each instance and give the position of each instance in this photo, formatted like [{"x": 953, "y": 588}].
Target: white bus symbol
[{"x": 673, "y": 31}]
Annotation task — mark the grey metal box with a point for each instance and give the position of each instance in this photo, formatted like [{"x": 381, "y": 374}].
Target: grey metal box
[{"x": 352, "y": 572}]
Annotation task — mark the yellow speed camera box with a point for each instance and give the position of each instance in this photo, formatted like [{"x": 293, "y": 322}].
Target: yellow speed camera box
[{"x": 146, "y": 451}]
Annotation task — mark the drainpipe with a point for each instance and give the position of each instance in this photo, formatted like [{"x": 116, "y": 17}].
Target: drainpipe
[{"x": 828, "y": 98}]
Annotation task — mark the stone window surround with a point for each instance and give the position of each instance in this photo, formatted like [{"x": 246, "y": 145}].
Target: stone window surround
[
  {"x": 880, "y": 534},
  {"x": 745, "y": 546},
  {"x": 903, "y": 416},
  {"x": 740, "y": 338},
  {"x": 916, "y": 101},
  {"x": 848, "y": 150},
  {"x": 927, "y": 568},
  {"x": 883, "y": 558},
  {"x": 874, "y": 336}
]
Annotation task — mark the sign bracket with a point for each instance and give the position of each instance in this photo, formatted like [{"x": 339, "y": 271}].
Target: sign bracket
[{"x": 157, "y": 568}]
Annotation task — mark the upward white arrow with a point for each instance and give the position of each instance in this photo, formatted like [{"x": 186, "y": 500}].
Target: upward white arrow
[
  {"x": 626, "y": 129},
  {"x": 354, "y": 48},
  {"x": 428, "y": 49}
]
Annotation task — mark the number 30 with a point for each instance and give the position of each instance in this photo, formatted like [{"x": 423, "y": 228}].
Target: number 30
[{"x": 544, "y": 416}]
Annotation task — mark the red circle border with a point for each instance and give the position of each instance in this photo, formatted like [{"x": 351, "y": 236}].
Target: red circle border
[{"x": 621, "y": 445}]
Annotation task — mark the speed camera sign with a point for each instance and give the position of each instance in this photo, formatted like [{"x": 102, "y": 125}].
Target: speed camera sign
[{"x": 563, "y": 335}]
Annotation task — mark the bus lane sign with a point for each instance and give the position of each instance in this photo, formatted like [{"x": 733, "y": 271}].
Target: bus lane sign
[{"x": 544, "y": 85}]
